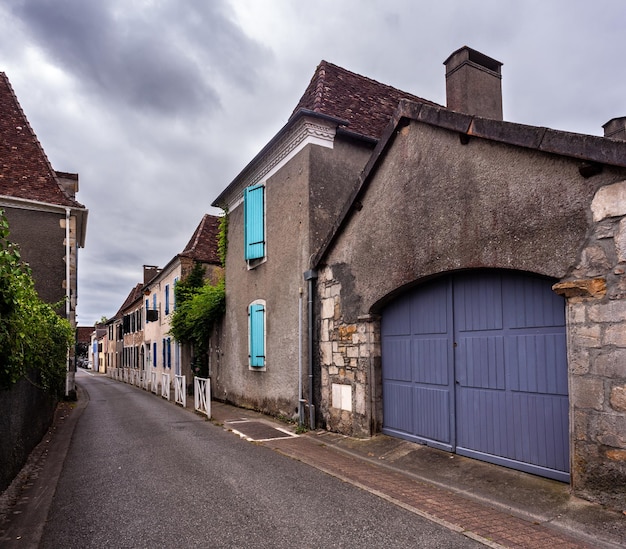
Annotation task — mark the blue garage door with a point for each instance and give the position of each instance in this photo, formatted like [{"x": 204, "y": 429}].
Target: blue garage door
[{"x": 476, "y": 364}]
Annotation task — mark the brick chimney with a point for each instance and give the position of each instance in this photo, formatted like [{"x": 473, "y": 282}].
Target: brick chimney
[
  {"x": 474, "y": 83},
  {"x": 149, "y": 272},
  {"x": 616, "y": 128}
]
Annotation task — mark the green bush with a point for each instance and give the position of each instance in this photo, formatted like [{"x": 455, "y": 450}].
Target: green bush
[
  {"x": 199, "y": 305},
  {"x": 33, "y": 338}
]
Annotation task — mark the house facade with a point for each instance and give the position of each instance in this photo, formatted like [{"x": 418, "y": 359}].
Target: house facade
[
  {"x": 279, "y": 209},
  {"x": 139, "y": 336},
  {"x": 436, "y": 274},
  {"x": 45, "y": 219},
  {"x": 472, "y": 297}
]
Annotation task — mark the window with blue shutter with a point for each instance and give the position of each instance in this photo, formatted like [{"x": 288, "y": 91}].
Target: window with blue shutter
[
  {"x": 154, "y": 303},
  {"x": 254, "y": 222},
  {"x": 257, "y": 335},
  {"x": 169, "y": 353},
  {"x": 167, "y": 299},
  {"x": 154, "y": 354},
  {"x": 147, "y": 309}
]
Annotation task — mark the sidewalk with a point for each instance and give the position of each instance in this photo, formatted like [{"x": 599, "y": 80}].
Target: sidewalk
[{"x": 497, "y": 506}]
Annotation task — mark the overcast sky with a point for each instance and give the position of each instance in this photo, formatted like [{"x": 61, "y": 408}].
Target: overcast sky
[{"x": 158, "y": 104}]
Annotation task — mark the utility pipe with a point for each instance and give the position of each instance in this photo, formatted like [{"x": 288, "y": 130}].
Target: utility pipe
[
  {"x": 300, "y": 336},
  {"x": 68, "y": 293},
  {"x": 310, "y": 276}
]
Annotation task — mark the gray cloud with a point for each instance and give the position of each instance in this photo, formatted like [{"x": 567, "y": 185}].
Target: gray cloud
[{"x": 158, "y": 104}]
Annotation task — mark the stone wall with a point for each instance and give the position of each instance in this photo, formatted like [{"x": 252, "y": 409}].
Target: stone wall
[
  {"x": 350, "y": 359},
  {"x": 26, "y": 412},
  {"x": 596, "y": 317}
]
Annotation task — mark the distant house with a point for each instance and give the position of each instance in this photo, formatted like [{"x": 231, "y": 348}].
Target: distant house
[
  {"x": 463, "y": 277},
  {"x": 40, "y": 204},
  {"x": 138, "y": 336},
  {"x": 129, "y": 332}
]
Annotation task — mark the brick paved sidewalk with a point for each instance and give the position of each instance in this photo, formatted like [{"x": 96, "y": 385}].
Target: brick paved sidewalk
[{"x": 478, "y": 521}]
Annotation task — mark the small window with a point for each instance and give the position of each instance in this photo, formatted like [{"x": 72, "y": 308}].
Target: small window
[
  {"x": 167, "y": 299},
  {"x": 256, "y": 314},
  {"x": 254, "y": 222}
]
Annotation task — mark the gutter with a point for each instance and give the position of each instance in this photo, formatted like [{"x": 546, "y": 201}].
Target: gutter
[
  {"x": 310, "y": 276},
  {"x": 68, "y": 290}
]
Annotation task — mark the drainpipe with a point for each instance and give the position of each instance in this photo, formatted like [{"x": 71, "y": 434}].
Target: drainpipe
[
  {"x": 310, "y": 277},
  {"x": 300, "y": 336},
  {"x": 67, "y": 292}
]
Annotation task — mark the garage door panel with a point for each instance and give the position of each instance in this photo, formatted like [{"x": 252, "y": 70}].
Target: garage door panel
[
  {"x": 398, "y": 363},
  {"x": 531, "y": 303},
  {"x": 433, "y": 420},
  {"x": 434, "y": 299},
  {"x": 540, "y": 422},
  {"x": 481, "y": 425},
  {"x": 431, "y": 357},
  {"x": 480, "y": 362},
  {"x": 537, "y": 363},
  {"x": 478, "y": 303},
  {"x": 397, "y": 319},
  {"x": 398, "y": 406}
]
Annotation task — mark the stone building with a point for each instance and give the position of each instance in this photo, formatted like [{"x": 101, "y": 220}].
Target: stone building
[
  {"x": 436, "y": 274},
  {"x": 472, "y": 296}
]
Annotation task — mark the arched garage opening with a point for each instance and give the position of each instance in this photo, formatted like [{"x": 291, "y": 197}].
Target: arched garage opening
[{"x": 475, "y": 363}]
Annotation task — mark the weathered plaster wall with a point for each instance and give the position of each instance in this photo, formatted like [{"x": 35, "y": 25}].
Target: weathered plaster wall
[
  {"x": 302, "y": 201},
  {"x": 436, "y": 206},
  {"x": 41, "y": 237}
]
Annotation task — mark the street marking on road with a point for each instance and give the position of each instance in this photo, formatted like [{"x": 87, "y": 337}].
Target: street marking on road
[{"x": 257, "y": 431}]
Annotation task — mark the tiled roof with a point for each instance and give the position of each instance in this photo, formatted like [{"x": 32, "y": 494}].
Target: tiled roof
[
  {"x": 83, "y": 333},
  {"x": 133, "y": 296},
  {"x": 203, "y": 244},
  {"x": 366, "y": 104},
  {"x": 25, "y": 171}
]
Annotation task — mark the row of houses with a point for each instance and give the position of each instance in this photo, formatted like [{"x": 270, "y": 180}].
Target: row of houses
[
  {"x": 430, "y": 272},
  {"x": 137, "y": 337}
]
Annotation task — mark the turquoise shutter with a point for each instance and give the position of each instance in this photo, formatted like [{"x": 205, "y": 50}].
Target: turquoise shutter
[
  {"x": 254, "y": 224},
  {"x": 257, "y": 336},
  {"x": 167, "y": 299}
]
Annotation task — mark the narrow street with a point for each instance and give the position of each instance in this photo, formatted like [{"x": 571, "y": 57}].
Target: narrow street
[{"x": 142, "y": 472}]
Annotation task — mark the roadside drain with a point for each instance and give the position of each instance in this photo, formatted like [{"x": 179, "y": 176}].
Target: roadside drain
[{"x": 257, "y": 431}]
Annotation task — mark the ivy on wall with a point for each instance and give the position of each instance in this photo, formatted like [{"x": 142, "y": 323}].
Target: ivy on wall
[{"x": 34, "y": 339}]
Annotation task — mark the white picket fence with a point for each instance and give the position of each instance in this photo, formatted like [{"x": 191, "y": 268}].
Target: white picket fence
[
  {"x": 148, "y": 381},
  {"x": 202, "y": 395},
  {"x": 180, "y": 391},
  {"x": 165, "y": 386}
]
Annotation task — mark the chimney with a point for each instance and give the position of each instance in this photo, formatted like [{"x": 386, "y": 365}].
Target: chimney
[
  {"x": 616, "y": 128},
  {"x": 474, "y": 83},
  {"x": 149, "y": 272}
]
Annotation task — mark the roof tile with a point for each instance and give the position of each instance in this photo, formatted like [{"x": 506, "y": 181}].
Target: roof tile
[
  {"x": 25, "y": 171},
  {"x": 203, "y": 243},
  {"x": 365, "y": 104}
]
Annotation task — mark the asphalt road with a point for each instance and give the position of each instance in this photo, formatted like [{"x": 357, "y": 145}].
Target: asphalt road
[{"x": 142, "y": 472}]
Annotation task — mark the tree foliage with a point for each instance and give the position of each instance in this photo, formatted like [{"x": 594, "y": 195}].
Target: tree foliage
[
  {"x": 199, "y": 305},
  {"x": 34, "y": 340}
]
